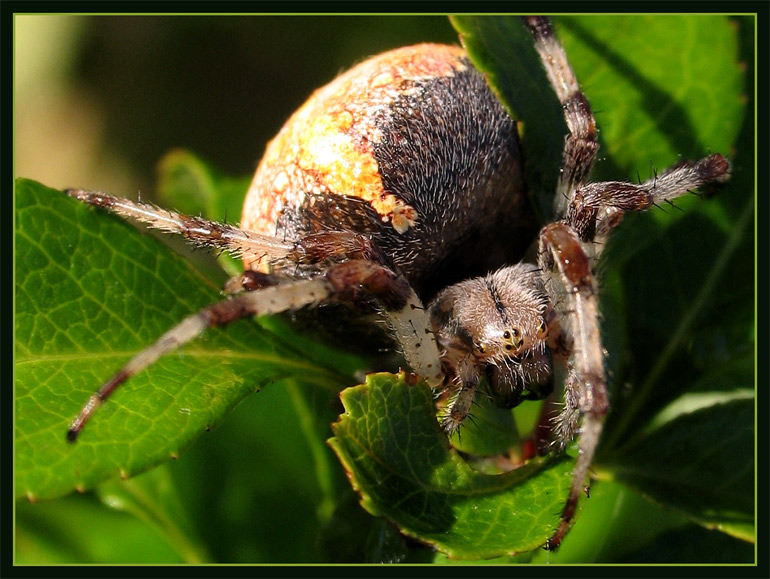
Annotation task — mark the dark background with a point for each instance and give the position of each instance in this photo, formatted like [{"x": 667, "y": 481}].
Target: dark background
[{"x": 101, "y": 99}]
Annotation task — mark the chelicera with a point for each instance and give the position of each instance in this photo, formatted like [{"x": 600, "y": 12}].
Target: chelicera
[{"x": 397, "y": 190}]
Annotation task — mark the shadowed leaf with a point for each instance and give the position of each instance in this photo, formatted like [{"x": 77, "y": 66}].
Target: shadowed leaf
[{"x": 392, "y": 447}]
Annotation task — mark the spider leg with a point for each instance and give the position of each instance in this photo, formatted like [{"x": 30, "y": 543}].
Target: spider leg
[
  {"x": 346, "y": 281},
  {"x": 271, "y": 300},
  {"x": 402, "y": 308},
  {"x": 202, "y": 232},
  {"x": 561, "y": 250},
  {"x": 580, "y": 146},
  {"x": 462, "y": 392},
  {"x": 597, "y": 208},
  {"x": 569, "y": 248},
  {"x": 255, "y": 247}
]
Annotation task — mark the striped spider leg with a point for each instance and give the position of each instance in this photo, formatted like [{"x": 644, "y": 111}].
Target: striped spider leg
[
  {"x": 357, "y": 273},
  {"x": 586, "y": 214}
]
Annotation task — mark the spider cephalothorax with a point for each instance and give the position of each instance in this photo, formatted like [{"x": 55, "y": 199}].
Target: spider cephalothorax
[
  {"x": 495, "y": 327},
  {"x": 398, "y": 189}
]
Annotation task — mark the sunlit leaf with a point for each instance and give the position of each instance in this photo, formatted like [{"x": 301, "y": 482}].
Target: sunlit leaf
[{"x": 92, "y": 291}]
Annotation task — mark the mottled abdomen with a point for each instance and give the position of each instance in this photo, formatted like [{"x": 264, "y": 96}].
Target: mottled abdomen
[{"x": 412, "y": 148}]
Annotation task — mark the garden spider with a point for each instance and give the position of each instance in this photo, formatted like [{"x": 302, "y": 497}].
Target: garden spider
[{"x": 385, "y": 195}]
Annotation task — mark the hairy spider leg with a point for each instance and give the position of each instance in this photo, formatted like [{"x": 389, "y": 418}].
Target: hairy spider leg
[
  {"x": 462, "y": 389},
  {"x": 311, "y": 249},
  {"x": 569, "y": 248},
  {"x": 573, "y": 293},
  {"x": 586, "y": 391},
  {"x": 597, "y": 208},
  {"x": 580, "y": 146},
  {"x": 199, "y": 231},
  {"x": 360, "y": 277},
  {"x": 348, "y": 281},
  {"x": 271, "y": 300}
]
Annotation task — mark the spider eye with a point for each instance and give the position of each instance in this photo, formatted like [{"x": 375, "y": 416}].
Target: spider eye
[
  {"x": 542, "y": 329},
  {"x": 482, "y": 348},
  {"x": 512, "y": 339},
  {"x": 512, "y": 333}
]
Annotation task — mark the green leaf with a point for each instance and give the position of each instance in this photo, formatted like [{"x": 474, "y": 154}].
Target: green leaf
[
  {"x": 153, "y": 498},
  {"x": 661, "y": 87},
  {"x": 697, "y": 456},
  {"x": 77, "y": 529},
  {"x": 188, "y": 184},
  {"x": 492, "y": 432},
  {"x": 398, "y": 459},
  {"x": 91, "y": 292}
]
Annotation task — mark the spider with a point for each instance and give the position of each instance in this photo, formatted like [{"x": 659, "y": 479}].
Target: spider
[{"x": 398, "y": 190}]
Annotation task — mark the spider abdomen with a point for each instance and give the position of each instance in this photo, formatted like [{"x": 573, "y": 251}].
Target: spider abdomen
[{"x": 411, "y": 148}]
